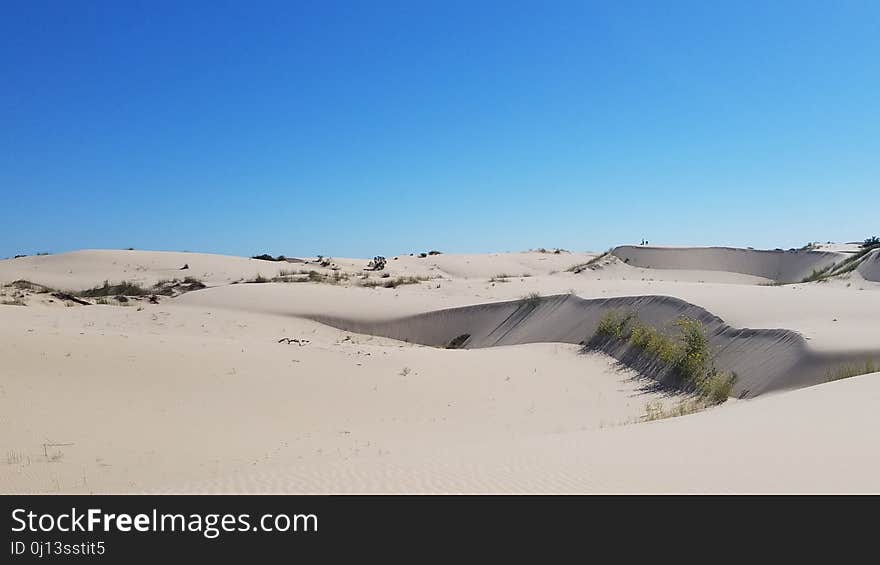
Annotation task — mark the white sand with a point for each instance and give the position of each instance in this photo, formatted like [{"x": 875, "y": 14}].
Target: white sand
[{"x": 196, "y": 394}]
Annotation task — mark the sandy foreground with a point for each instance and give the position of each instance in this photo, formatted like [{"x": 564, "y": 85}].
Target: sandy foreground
[{"x": 195, "y": 393}]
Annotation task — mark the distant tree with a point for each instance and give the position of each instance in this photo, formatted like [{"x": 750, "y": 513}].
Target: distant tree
[{"x": 871, "y": 242}]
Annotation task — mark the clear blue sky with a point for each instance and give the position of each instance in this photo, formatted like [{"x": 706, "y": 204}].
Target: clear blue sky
[{"x": 364, "y": 128}]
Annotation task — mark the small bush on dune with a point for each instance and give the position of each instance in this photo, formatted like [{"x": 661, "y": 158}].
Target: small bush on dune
[
  {"x": 693, "y": 358},
  {"x": 302, "y": 276},
  {"x": 717, "y": 387},
  {"x": 654, "y": 342},
  {"x": 124, "y": 288},
  {"x": 615, "y": 325},
  {"x": 31, "y": 286},
  {"x": 171, "y": 287},
  {"x": 580, "y": 267},
  {"x": 393, "y": 282},
  {"x": 267, "y": 257},
  {"x": 165, "y": 287}
]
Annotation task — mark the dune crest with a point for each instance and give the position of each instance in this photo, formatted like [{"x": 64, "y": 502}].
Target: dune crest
[
  {"x": 781, "y": 266},
  {"x": 765, "y": 360},
  {"x": 870, "y": 267}
]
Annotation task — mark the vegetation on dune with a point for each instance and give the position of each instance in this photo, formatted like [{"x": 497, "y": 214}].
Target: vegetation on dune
[
  {"x": 580, "y": 267},
  {"x": 393, "y": 282},
  {"x": 124, "y": 288},
  {"x": 835, "y": 269},
  {"x": 267, "y": 257},
  {"x": 655, "y": 410},
  {"x": 819, "y": 274},
  {"x": 615, "y": 324},
  {"x": 847, "y": 265},
  {"x": 852, "y": 370},
  {"x": 687, "y": 354},
  {"x": 303, "y": 276},
  {"x": 165, "y": 287},
  {"x": 170, "y": 287},
  {"x": 22, "y": 284},
  {"x": 458, "y": 342},
  {"x": 336, "y": 277}
]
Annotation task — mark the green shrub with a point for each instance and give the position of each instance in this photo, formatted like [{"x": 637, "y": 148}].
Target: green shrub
[
  {"x": 124, "y": 288},
  {"x": 393, "y": 283},
  {"x": 687, "y": 354},
  {"x": 654, "y": 342},
  {"x": 267, "y": 257},
  {"x": 615, "y": 324},
  {"x": 717, "y": 387}
]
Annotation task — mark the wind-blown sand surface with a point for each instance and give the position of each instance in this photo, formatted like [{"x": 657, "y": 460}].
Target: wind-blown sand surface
[{"x": 196, "y": 394}]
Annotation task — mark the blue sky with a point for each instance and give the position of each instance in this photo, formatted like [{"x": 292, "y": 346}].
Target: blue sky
[{"x": 364, "y": 128}]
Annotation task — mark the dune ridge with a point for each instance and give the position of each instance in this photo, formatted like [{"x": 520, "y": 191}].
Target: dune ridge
[
  {"x": 765, "y": 360},
  {"x": 238, "y": 388},
  {"x": 780, "y": 266},
  {"x": 869, "y": 269}
]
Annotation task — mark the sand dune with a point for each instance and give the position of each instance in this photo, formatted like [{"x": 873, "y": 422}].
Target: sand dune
[
  {"x": 765, "y": 360},
  {"x": 783, "y": 266},
  {"x": 133, "y": 400},
  {"x": 870, "y": 267},
  {"x": 199, "y": 392},
  {"x": 85, "y": 269}
]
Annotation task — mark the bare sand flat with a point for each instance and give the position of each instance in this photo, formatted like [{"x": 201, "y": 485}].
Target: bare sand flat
[
  {"x": 332, "y": 381},
  {"x": 797, "y": 442}
]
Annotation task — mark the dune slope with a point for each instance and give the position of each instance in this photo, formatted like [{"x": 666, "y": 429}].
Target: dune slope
[
  {"x": 764, "y": 359},
  {"x": 869, "y": 269},
  {"x": 782, "y": 266}
]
